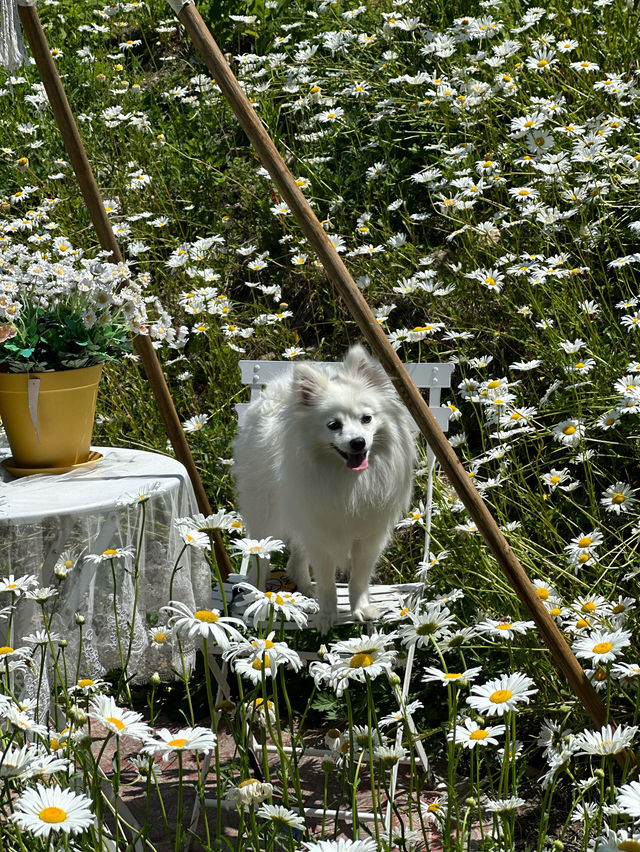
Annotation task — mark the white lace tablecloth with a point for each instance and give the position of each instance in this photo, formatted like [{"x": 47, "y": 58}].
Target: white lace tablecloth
[{"x": 87, "y": 512}]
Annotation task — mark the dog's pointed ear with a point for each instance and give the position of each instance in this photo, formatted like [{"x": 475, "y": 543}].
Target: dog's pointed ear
[
  {"x": 359, "y": 363},
  {"x": 309, "y": 383}
]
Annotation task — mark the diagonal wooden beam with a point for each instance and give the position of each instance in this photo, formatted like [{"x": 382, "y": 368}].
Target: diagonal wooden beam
[
  {"x": 93, "y": 201},
  {"x": 340, "y": 277}
]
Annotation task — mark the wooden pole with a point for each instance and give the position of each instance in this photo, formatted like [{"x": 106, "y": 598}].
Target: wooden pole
[
  {"x": 93, "y": 200},
  {"x": 370, "y": 328}
]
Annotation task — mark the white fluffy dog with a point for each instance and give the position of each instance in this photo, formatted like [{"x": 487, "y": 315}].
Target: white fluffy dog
[{"x": 324, "y": 461}]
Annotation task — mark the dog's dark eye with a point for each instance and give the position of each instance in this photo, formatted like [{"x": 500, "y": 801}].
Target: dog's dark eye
[
  {"x": 334, "y": 425},
  {"x": 366, "y": 418}
]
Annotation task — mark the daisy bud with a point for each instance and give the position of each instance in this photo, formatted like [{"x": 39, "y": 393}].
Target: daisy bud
[
  {"x": 225, "y": 706},
  {"x": 60, "y": 572},
  {"x": 471, "y": 802},
  {"x": 155, "y": 679},
  {"x": 77, "y": 715},
  {"x": 327, "y": 764},
  {"x": 557, "y": 846},
  {"x": 62, "y": 643},
  {"x": 80, "y": 619},
  {"x": 394, "y": 679},
  {"x": 322, "y": 651},
  {"x": 599, "y": 774}
]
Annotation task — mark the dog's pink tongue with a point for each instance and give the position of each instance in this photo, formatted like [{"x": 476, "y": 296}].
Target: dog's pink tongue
[{"x": 357, "y": 462}]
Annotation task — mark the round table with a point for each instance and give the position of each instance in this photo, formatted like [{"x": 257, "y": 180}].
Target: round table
[{"x": 127, "y": 503}]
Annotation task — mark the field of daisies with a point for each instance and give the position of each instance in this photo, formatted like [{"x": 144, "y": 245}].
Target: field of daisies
[{"x": 477, "y": 166}]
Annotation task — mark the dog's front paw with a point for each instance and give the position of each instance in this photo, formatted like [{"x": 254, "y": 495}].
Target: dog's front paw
[
  {"x": 306, "y": 588},
  {"x": 369, "y": 612},
  {"x": 325, "y": 620}
]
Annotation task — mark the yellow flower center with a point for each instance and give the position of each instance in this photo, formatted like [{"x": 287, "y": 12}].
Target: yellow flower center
[
  {"x": 554, "y": 480},
  {"x": 278, "y": 599},
  {"x": 434, "y": 807},
  {"x": 588, "y": 606},
  {"x": 259, "y": 664},
  {"x": 117, "y": 723},
  {"x": 529, "y": 123},
  {"x": 602, "y": 648},
  {"x": 360, "y": 661},
  {"x": 582, "y": 622},
  {"x": 478, "y": 735},
  {"x": 555, "y": 611},
  {"x": 452, "y": 675},
  {"x": 160, "y": 637},
  {"x": 585, "y": 541},
  {"x": 629, "y": 846},
  {"x": 579, "y": 365},
  {"x": 505, "y": 626},
  {"x": 490, "y": 281},
  {"x": 5, "y": 649},
  {"x": 206, "y": 615},
  {"x": 177, "y": 743},
  {"x": 247, "y": 782},
  {"x": 618, "y": 608},
  {"x": 618, "y": 498},
  {"x": 568, "y": 430},
  {"x": 85, "y": 681},
  {"x": 500, "y": 696},
  {"x": 584, "y": 557},
  {"x": 542, "y": 63},
  {"x": 52, "y": 815},
  {"x": 110, "y": 552},
  {"x": 494, "y": 383},
  {"x": 543, "y": 594}
]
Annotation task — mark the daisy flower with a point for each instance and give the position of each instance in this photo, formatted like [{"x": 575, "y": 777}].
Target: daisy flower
[
  {"x": 629, "y": 798},
  {"x": 434, "y": 622},
  {"x": 568, "y": 432},
  {"x": 195, "y": 423},
  {"x": 431, "y": 674},
  {"x": 505, "y": 629},
  {"x": 108, "y": 554},
  {"x": 362, "y": 657},
  {"x": 275, "y": 653},
  {"x": 122, "y": 723},
  {"x": 282, "y": 817},
  {"x": 470, "y": 734},
  {"x": 555, "y": 478},
  {"x": 204, "y": 623},
  {"x": 501, "y": 806},
  {"x": 192, "y": 537},
  {"x": 249, "y": 792},
  {"x": 188, "y": 739},
  {"x": 289, "y": 606},
  {"x": 366, "y": 844},
  {"x": 389, "y": 755},
  {"x": 501, "y": 695},
  {"x": 262, "y": 547},
  {"x": 602, "y": 646},
  {"x": 46, "y": 810},
  {"x": 618, "y": 498},
  {"x": 605, "y": 741},
  {"x": 18, "y": 585}
]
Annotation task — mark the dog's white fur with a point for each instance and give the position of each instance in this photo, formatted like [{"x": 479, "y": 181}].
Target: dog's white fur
[{"x": 301, "y": 471}]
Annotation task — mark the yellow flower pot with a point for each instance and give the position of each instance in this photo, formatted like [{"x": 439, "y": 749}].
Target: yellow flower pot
[{"x": 49, "y": 424}]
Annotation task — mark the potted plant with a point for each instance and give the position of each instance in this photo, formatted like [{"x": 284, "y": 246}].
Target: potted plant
[{"x": 61, "y": 319}]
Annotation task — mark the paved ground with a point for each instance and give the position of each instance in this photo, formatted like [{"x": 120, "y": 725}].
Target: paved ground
[{"x": 148, "y": 808}]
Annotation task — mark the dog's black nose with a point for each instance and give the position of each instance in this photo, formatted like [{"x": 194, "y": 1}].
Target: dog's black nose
[{"x": 357, "y": 444}]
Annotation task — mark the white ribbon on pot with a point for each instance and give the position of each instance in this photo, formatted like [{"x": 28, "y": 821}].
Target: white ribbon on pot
[
  {"x": 33, "y": 390},
  {"x": 13, "y": 53}
]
